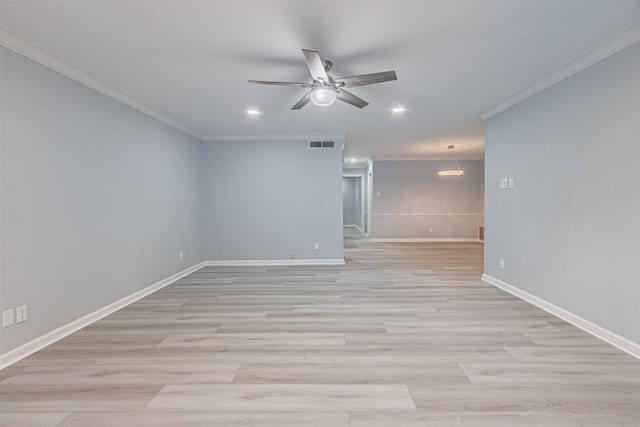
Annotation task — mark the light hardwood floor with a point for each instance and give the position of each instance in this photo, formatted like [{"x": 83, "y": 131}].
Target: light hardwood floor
[{"x": 402, "y": 335}]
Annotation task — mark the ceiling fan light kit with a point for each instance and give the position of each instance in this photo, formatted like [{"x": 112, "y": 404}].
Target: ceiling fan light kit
[
  {"x": 323, "y": 96},
  {"x": 324, "y": 89}
]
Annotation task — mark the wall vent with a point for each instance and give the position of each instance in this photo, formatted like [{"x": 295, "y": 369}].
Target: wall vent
[{"x": 321, "y": 144}]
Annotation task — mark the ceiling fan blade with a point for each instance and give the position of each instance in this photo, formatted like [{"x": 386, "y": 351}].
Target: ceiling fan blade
[
  {"x": 350, "y": 98},
  {"x": 303, "y": 101},
  {"x": 262, "y": 82},
  {"x": 367, "y": 79},
  {"x": 314, "y": 63}
]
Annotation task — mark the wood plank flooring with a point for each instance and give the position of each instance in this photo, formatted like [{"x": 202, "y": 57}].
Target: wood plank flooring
[{"x": 402, "y": 335}]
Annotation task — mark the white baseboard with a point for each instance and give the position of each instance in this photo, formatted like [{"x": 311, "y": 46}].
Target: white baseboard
[
  {"x": 42, "y": 341},
  {"x": 357, "y": 227},
  {"x": 423, "y": 239},
  {"x": 272, "y": 262},
  {"x": 606, "y": 335}
]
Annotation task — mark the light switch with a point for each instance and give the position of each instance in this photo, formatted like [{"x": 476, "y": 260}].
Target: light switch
[
  {"x": 7, "y": 318},
  {"x": 510, "y": 182},
  {"x": 504, "y": 182}
]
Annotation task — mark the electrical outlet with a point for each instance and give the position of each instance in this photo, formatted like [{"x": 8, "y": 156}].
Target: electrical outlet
[
  {"x": 502, "y": 263},
  {"x": 504, "y": 182},
  {"x": 316, "y": 246},
  {"x": 430, "y": 229},
  {"x": 7, "y": 318},
  {"x": 181, "y": 255},
  {"x": 378, "y": 194},
  {"x": 21, "y": 314}
]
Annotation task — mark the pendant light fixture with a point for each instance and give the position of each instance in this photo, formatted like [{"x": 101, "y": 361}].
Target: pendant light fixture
[{"x": 452, "y": 172}]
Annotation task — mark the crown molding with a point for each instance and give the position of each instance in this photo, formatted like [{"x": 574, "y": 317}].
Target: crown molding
[
  {"x": 44, "y": 56},
  {"x": 357, "y": 165},
  {"x": 283, "y": 137},
  {"x": 616, "y": 42}
]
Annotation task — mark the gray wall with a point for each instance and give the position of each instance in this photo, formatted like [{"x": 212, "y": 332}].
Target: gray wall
[
  {"x": 413, "y": 197},
  {"x": 349, "y": 200},
  {"x": 97, "y": 199},
  {"x": 264, "y": 198},
  {"x": 569, "y": 230}
]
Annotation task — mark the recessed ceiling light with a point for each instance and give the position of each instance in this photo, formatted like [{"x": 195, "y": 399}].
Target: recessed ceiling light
[
  {"x": 253, "y": 112},
  {"x": 398, "y": 110}
]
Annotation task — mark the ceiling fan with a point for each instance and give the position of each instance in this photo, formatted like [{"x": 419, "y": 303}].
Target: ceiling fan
[{"x": 324, "y": 89}]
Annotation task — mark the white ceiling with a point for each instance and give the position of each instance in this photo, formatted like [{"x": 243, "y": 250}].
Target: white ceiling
[{"x": 455, "y": 60}]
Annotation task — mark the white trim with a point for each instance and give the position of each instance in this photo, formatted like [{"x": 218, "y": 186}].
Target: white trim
[
  {"x": 618, "y": 41},
  {"x": 304, "y": 137},
  {"x": 355, "y": 226},
  {"x": 272, "y": 262},
  {"x": 369, "y": 190},
  {"x": 358, "y": 165},
  {"x": 426, "y": 158},
  {"x": 42, "y": 341},
  {"x": 423, "y": 239},
  {"x": 426, "y": 214},
  {"x": 606, "y": 335},
  {"x": 42, "y": 55}
]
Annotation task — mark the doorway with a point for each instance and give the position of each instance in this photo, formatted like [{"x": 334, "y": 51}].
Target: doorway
[
  {"x": 357, "y": 186},
  {"x": 353, "y": 206}
]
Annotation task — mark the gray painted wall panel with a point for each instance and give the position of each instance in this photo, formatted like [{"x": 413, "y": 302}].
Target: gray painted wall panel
[
  {"x": 263, "y": 198},
  {"x": 349, "y": 200},
  {"x": 97, "y": 199},
  {"x": 413, "y": 198},
  {"x": 570, "y": 229},
  {"x": 417, "y": 226}
]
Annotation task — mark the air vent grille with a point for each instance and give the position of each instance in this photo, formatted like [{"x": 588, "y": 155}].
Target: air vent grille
[{"x": 321, "y": 144}]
